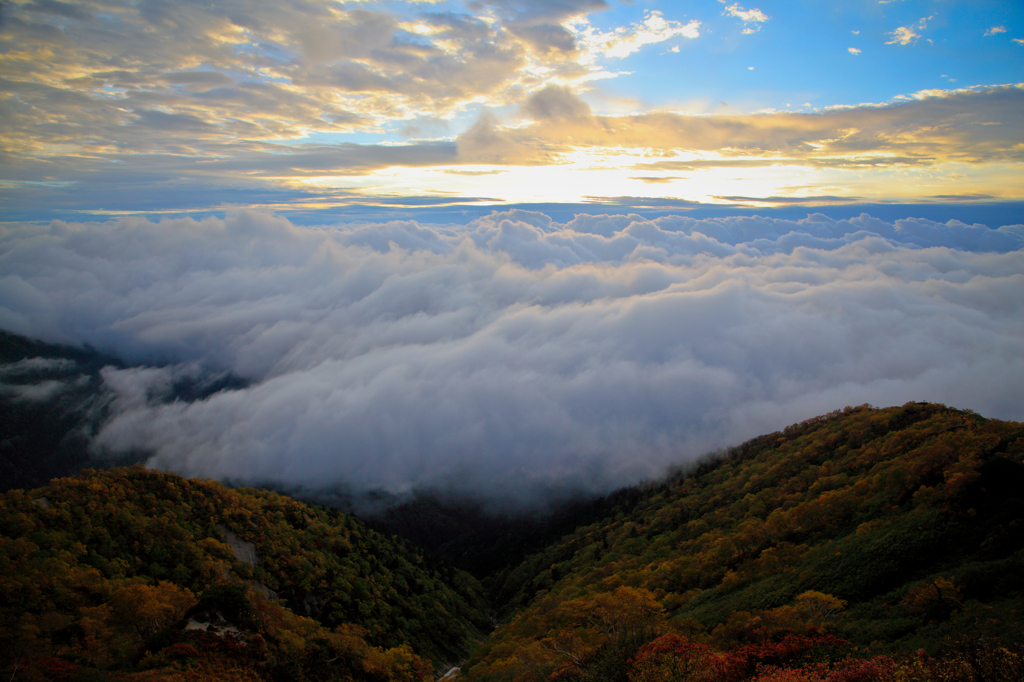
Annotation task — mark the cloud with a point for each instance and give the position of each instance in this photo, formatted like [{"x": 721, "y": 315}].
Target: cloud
[
  {"x": 624, "y": 41},
  {"x": 555, "y": 103},
  {"x": 37, "y": 380},
  {"x": 488, "y": 143},
  {"x": 255, "y": 93},
  {"x": 547, "y": 38},
  {"x": 198, "y": 107},
  {"x": 752, "y": 16},
  {"x": 28, "y": 366},
  {"x": 805, "y": 200},
  {"x": 31, "y": 379},
  {"x": 512, "y": 354},
  {"x": 853, "y": 50},
  {"x": 35, "y": 393},
  {"x": 747, "y": 16},
  {"x": 212, "y": 80},
  {"x": 654, "y": 179},
  {"x": 972, "y": 124},
  {"x": 973, "y": 128},
  {"x": 544, "y": 11},
  {"x": 995, "y": 30},
  {"x": 905, "y": 35}
]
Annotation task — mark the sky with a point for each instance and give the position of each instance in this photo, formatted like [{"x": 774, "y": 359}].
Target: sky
[
  {"x": 510, "y": 247},
  {"x": 114, "y": 107}
]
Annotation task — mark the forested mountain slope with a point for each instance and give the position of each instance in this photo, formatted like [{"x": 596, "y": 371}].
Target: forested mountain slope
[
  {"x": 891, "y": 529},
  {"x": 104, "y": 571},
  {"x": 833, "y": 550}
]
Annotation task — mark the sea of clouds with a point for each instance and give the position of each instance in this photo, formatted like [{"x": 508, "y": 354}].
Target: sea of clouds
[{"x": 513, "y": 355}]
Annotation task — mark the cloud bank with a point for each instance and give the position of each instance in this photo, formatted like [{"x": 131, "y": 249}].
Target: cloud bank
[{"x": 513, "y": 354}]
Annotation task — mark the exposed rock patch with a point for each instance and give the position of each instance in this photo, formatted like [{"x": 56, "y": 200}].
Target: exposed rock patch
[{"x": 244, "y": 551}]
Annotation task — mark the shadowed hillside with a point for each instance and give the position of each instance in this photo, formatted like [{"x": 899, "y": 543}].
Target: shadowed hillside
[{"x": 53, "y": 401}]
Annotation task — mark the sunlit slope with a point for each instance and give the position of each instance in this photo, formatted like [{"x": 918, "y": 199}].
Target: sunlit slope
[
  {"x": 104, "y": 570},
  {"x": 892, "y": 527}
]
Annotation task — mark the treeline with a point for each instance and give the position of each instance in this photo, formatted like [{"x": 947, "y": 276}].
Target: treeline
[
  {"x": 104, "y": 571},
  {"x": 868, "y": 533}
]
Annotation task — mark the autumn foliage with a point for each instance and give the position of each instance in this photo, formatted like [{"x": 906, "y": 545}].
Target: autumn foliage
[
  {"x": 830, "y": 550},
  {"x": 864, "y": 545},
  {"x": 129, "y": 571}
]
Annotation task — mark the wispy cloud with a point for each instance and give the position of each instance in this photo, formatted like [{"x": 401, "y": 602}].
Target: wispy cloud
[
  {"x": 655, "y": 179},
  {"x": 747, "y": 16},
  {"x": 752, "y": 16},
  {"x": 626, "y": 40},
  {"x": 543, "y": 11},
  {"x": 995, "y": 30},
  {"x": 962, "y": 114},
  {"x": 853, "y": 50},
  {"x": 905, "y": 35}
]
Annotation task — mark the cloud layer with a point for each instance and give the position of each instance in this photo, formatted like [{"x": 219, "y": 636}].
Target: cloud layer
[{"x": 512, "y": 354}]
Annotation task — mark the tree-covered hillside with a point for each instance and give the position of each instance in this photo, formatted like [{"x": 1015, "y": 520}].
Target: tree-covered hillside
[
  {"x": 889, "y": 530},
  {"x": 104, "y": 572},
  {"x": 866, "y": 544}
]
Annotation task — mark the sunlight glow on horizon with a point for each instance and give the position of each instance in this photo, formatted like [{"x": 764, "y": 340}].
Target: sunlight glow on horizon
[{"x": 575, "y": 101}]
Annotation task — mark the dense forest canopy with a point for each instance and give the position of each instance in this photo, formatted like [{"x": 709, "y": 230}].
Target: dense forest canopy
[
  {"x": 865, "y": 544},
  {"x": 105, "y": 569},
  {"x": 889, "y": 529}
]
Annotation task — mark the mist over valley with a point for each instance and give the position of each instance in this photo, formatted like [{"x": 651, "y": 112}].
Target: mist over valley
[{"x": 509, "y": 358}]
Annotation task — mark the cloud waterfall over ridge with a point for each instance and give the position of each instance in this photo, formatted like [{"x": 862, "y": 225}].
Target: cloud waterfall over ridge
[{"x": 512, "y": 353}]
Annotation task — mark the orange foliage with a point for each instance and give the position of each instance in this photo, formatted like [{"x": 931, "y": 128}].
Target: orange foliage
[
  {"x": 935, "y": 600},
  {"x": 398, "y": 664},
  {"x": 674, "y": 659}
]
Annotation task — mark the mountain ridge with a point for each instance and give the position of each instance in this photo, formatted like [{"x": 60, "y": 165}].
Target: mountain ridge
[
  {"x": 873, "y": 509},
  {"x": 849, "y": 540}
]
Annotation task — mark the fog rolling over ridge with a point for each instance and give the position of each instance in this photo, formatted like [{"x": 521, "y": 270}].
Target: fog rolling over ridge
[{"x": 511, "y": 354}]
